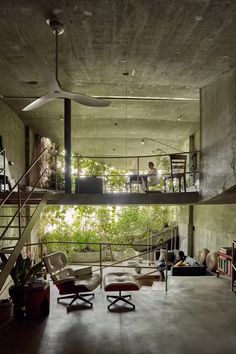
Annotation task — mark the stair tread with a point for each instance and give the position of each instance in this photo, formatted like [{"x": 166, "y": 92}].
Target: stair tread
[
  {"x": 11, "y": 227},
  {"x": 8, "y": 251},
  {"x": 10, "y": 238}
]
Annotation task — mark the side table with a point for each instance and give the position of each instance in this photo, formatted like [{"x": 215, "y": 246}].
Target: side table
[{"x": 38, "y": 301}]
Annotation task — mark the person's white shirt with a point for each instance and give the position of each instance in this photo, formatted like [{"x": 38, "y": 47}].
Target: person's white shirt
[{"x": 152, "y": 177}]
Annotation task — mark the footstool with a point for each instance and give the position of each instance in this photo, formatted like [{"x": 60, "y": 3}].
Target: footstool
[{"x": 120, "y": 282}]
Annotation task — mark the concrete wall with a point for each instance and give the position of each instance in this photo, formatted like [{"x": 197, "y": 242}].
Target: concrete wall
[
  {"x": 13, "y": 132},
  {"x": 218, "y": 135},
  {"x": 183, "y": 227},
  {"x": 215, "y": 226}
]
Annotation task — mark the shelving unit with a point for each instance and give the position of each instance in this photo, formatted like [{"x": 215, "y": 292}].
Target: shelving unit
[
  {"x": 233, "y": 266},
  {"x": 224, "y": 264}
]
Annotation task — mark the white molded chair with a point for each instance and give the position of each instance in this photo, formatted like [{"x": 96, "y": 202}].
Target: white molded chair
[{"x": 75, "y": 284}]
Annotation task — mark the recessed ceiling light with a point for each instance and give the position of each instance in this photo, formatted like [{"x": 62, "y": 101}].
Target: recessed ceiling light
[
  {"x": 57, "y": 11},
  {"x": 115, "y": 108},
  {"x": 87, "y": 13},
  {"x": 32, "y": 82},
  {"x": 123, "y": 61},
  {"x": 198, "y": 18}
]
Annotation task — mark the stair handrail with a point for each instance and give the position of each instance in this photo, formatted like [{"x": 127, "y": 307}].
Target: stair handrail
[
  {"x": 21, "y": 206},
  {"x": 23, "y": 176}
]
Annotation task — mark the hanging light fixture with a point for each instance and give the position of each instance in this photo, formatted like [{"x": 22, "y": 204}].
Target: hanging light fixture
[{"x": 159, "y": 142}]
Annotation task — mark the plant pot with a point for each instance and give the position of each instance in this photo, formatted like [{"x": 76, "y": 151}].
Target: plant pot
[
  {"x": 18, "y": 295},
  {"x": 6, "y": 309},
  {"x": 86, "y": 257}
]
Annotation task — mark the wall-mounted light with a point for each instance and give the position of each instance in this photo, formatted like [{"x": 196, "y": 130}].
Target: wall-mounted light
[{"x": 142, "y": 141}]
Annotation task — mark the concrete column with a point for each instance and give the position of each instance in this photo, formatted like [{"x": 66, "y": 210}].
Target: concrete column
[
  {"x": 190, "y": 231},
  {"x": 67, "y": 143}
]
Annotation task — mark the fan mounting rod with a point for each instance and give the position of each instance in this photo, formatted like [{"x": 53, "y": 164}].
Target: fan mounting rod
[{"x": 57, "y": 28}]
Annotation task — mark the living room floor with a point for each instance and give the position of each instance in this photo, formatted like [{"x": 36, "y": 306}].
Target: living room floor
[{"x": 196, "y": 315}]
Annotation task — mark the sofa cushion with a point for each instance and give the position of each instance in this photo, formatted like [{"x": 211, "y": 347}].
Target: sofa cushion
[
  {"x": 202, "y": 254},
  {"x": 212, "y": 261},
  {"x": 188, "y": 271},
  {"x": 193, "y": 269}
]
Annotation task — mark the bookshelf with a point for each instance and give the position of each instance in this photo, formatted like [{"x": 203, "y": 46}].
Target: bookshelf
[
  {"x": 233, "y": 266},
  {"x": 225, "y": 262}
]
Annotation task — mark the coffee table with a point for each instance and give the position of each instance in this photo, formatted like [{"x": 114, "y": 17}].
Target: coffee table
[{"x": 145, "y": 272}]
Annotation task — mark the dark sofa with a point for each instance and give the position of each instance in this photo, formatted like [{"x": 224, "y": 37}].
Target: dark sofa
[{"x": 194, "y": 269}]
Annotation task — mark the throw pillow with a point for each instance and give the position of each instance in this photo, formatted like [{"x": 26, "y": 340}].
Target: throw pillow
[
  {"x": 202, "y": 254},
  {"x": 212, "y": 261}
]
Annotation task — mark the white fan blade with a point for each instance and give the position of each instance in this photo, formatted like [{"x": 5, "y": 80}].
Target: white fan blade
[
  {"x": 85, "y": 100},
  {"x": 40, "y": 102}
]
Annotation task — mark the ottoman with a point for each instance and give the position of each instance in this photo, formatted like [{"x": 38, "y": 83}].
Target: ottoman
[{"x": 120, "y": 282}]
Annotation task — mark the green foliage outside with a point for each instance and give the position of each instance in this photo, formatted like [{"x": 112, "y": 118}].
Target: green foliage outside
[{"x": 101, "y": 224}]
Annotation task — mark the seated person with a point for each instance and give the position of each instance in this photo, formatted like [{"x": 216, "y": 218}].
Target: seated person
[
  {"x": 180, "y": 260},
  {"x": 151, "y": 177}
]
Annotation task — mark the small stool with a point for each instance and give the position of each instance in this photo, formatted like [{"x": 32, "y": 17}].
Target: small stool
[{"x": 120, "y": 282}]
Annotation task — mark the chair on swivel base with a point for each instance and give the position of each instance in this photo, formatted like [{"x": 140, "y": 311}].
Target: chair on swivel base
[
  {"x": 74, "y": 284},
  {"x": 76, "y": 289}
]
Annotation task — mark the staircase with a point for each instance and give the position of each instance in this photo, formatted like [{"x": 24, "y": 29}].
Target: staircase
[{"x": 8, "y": 255}]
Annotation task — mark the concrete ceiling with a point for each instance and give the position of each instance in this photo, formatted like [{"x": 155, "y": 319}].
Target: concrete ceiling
[{"x": 169, "y": 48}]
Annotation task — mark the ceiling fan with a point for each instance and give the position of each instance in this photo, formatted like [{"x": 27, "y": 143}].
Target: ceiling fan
[{"x": 55, "y": 89}]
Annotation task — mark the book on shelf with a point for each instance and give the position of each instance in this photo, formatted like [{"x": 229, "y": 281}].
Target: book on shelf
[
  {"x": 226, "y": 250},
  {"x": 225, "y": 265}
]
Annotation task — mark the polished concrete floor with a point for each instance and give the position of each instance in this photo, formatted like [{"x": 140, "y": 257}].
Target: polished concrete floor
[{"x": 196, "y": 315}]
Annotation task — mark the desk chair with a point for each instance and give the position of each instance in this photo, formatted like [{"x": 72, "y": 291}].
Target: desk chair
[{"x": 178, "y": 171}]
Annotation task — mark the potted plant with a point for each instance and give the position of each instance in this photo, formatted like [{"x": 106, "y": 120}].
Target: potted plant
[{"x": 22, "y": 274}]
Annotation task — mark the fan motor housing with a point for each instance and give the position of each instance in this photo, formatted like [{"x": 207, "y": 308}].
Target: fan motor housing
[{"x": 55, "y": 26}]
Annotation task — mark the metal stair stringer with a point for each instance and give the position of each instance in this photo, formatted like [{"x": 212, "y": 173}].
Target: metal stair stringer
[{"x": 23, "y": 239}]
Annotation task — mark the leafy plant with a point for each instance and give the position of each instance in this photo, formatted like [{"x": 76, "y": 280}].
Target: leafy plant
[{"x": 24, "y": 270}]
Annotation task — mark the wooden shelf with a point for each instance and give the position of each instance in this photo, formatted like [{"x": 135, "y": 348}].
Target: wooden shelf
[
  {"x": 233, "y": 266},
  {"x": 224, "y": 264}
]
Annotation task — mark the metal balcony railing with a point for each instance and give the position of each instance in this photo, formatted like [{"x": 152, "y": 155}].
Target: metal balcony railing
[
  {"x": 142, "y": 264},
  {"x": 123, "y": 174}
]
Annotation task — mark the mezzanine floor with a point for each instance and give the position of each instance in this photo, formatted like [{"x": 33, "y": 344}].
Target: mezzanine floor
[
  {"x": 59, "y": 198},
  {"x": 197, "y": 315}
]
